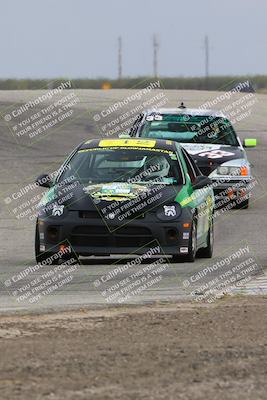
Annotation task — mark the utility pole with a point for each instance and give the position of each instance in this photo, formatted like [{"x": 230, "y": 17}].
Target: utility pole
[
  {"x": 207, "y": 56},
  {"x": 119, "y": 58},
  {"x": 155, "y": 55}
]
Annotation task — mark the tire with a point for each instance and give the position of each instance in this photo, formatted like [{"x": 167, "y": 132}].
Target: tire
[
  {"x": 206, "y": 252},
  {"x": 192, "y": 248}
]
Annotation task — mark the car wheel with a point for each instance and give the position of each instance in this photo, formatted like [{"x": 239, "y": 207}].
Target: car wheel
[
  {"x": 192, "y": 248},
  {"x": 206, "y": 252}
]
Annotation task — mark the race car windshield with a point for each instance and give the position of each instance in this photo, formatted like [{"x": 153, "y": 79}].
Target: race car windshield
[
  {"x": 123, "y": 165},
  {"x": 191, "y": 129}
]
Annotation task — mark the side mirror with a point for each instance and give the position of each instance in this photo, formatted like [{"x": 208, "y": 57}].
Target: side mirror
[
  {"x": 44, "y": 181},
  {"x": 249, "y": 142},
  {"x": 201, "y": 181}
]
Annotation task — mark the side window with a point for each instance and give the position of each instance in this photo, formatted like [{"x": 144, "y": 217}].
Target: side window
[
  {"x": 192, "y": 161},
  {"x": 134, "y": 129},
  {"x": 193, "y": 170}
]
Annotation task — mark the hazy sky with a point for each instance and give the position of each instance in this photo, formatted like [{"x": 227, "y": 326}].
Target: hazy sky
[{"x": 78, "y": 38}]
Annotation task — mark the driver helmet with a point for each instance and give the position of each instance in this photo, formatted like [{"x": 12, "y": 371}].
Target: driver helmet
[{"x": 157, "y": 167}]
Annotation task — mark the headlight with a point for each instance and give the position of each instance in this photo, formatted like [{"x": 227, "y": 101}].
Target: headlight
[
  {"x": 51, "y": 209},
  {"x": 57, "y": 210},
  {"x": 223, "y": 170},
  {"x": 169, "y": 212},
  {"x": 231, "y": 170}
]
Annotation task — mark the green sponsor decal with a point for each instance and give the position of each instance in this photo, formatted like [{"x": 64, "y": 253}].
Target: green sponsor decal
[{"x": 185, "y": 198}]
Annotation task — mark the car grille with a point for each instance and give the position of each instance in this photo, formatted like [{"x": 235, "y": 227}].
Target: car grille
[
  {"x": 97, "y": 214},
  {"x": 219, "y": 193},
  {"x": 100, "y": 236},
  {"x": 89, "y": 214}
]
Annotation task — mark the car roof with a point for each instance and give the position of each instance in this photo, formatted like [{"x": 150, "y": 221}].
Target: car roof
[
  {"x": 148, "y": 144},
  {"x": 187, "y": 111}
]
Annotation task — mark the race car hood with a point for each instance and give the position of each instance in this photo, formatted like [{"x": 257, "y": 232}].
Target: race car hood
[
  {"x": 108, "y": 198},
  {"x": 211, "y": 155}
]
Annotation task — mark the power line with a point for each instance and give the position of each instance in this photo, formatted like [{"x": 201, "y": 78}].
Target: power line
[
  {"x": 155, "y": 55},
  {"x": 207, "y": 58},
  {"x": 119, "y": 57}
]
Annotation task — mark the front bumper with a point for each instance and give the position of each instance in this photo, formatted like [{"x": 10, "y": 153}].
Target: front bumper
[
  {"x": 92, "y": 236},
  {"x": 227, "y": 188}
]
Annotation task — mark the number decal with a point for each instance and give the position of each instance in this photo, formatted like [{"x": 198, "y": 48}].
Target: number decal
[{"x": 216, "y": 154}]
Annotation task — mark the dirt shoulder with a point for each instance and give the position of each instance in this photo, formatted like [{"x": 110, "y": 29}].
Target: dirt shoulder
[{"x": 175, "y": 351}]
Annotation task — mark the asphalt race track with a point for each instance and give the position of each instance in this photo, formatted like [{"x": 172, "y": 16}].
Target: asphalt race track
[{"x": 23, "y": 159}]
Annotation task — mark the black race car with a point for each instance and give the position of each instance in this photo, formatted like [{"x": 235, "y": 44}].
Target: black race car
[{"x": 118, "y": 196}]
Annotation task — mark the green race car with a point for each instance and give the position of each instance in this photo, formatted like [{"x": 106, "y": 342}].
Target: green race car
[{"x": 117, "y": 196}]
